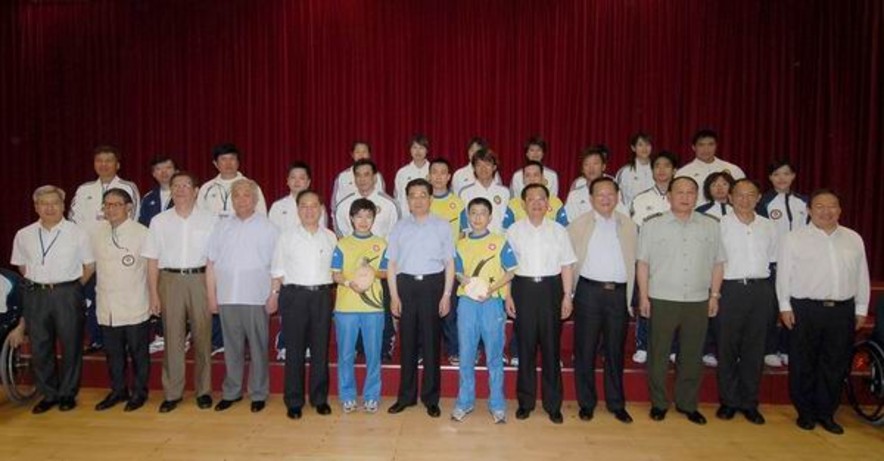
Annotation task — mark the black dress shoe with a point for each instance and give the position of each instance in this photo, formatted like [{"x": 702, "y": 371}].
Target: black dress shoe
[
  {"x": 397, "y": 408},
  {"x": 134, "y": 404},
  {"x": 93, "y": 348},
  {"x": 257, "y": 406},
  {"x": 831, "y": 426},
  {"x": 805, "y": 423},
  {"x": 294, "y": 413},
  {"x": 556, "y": 417},
  {"x": 725, "y": 412},
  {"x": 224, "y": 404},
  {"x": 658, "y": 414},
  {"x": 523, "y": 413},
  {"x": 204, "y": 402},
  {"x": 169, "y": 405},
  {"x": 433, "y": 410},
  {"x": 323, "y": 409},
  {"x": 623, "y": 416},
  {"x": 110, "y": 401},
  {"x": 693, "y": 416},
  {"x": 43, "y": 406},
  {"x": 585, "y": 414},
  {"x": 754, "y": 416},
  {"x": 67, "y": 404}
]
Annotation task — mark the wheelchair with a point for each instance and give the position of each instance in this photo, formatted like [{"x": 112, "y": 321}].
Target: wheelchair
[
  {"x": 865, "y": 380},
  {"x": 15, "y": 361}
]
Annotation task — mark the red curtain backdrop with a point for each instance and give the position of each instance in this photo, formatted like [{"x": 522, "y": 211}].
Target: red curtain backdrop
[{"x": 290, "y": 80}]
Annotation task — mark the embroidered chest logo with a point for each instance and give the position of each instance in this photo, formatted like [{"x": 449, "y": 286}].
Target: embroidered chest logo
[{"x": 776, "y": 214}]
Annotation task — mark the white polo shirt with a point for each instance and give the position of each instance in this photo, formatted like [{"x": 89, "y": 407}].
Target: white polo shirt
[
  {"x": 647, "y": 203},
  {"x": 214, "y": 197},
  {"x": 387, "y": 214},
  {"x": 465, "y": 176},
  {"x": 700, "y": 170},
  {"x": 284, "y": 214},
  {"x": 52, "y": 256},
  {"x": 403, "y": 177},
  {"x": 86, "y": 206},
  {"x": 345, "y": 184},
  {"x": 498, "y": 195},
  {"x": 551, "y": 181}
]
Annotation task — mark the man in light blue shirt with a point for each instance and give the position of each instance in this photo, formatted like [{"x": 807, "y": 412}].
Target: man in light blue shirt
[
  {"x": 238, "y": 285},
  {"x": 421, "y": 268}
]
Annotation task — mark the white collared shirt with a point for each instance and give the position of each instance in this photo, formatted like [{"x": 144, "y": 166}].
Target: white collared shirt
[
  {"x": 387, "y": 214},
  {"x": 542, "y": 250},
  {"x": 86, "y": 206},
  {"x": 579, "y": 202},
  {"x": 59, "y": 258},
  {"x": 121, "y": 274},
  {"x": 647, "y": 203},
  {"x": 284, "y": 214},
  {"x": 700, "y": 170},
  {"x": 304, "y": 258},
  {"x": 241, "y": 252},
  {"x": 750, "y": 248},
  {"x": 499, "y": 197},
  {"x": 815, "y": 265},
  {"x": 345, "y": 184},
  {"x": 550, "y": 177},
  {"x": 465, "y": 176},
  {"x": 214, "y": 197},
  {"x": 403, "y": 177},
  {"x": 179, "y": 243},
  {"x": 604, "y": 256}
]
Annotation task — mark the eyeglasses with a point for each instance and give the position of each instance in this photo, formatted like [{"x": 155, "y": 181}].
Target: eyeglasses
[{"x": 113, "y": 204}]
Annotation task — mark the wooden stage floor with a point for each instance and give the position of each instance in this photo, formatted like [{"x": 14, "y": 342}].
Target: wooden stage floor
[{"x": 192, "y": 434}]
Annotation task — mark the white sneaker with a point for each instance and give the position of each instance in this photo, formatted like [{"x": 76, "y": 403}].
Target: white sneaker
[
  {"x": 785, "y": 359},
  {"x": 640, "y": 356},
  {"x": 672, "y": 358},
  {"x": 217, "y": 350},
  {"x": 514, "y": 362},
  {"x": 499, "y": 417},
  {"x": 280, "y": 355},
  {"x": 349, "y": 406},
  {"x": 773, "y": 360},
  {"x": 307, "y": 353},
  {"x": 157, "y": 345},
  {"x": 460, "y": 414},
  {"x": 710, "y": 361},
  {"x": 370, "y": 406}
]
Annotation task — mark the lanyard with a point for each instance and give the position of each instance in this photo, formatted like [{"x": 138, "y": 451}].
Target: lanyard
[
  {"x": 788, "y": 209},
  {"x": 224, "y": 194},
  {"x": 43, "y": 248},
  {"x": 115, "y": 241}
]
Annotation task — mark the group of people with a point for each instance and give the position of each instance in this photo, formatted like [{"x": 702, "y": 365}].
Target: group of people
[{"x": 708, "y": 263}]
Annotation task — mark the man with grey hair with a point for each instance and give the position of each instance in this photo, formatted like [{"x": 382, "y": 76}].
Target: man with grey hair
[
  {"x": 238, "y": 287},
  {"x": 56, "y": 259}
]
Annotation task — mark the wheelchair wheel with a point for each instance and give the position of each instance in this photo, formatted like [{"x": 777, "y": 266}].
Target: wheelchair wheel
[
  {"x": 16, "y": 373},
  {"x": 865, "y": 382}
]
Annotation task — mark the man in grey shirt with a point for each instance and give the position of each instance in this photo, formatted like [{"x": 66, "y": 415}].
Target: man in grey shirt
[{"x": 679, "y": 273}]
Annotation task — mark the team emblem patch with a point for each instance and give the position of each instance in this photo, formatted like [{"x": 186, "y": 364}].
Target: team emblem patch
[
  {"x": 376, "y": 248},
  {"x": 452, "y": 205},
  {"x": 776, "y": 214},
  {"x": 492, "y": 246},
  {"x": 128, "y": 260},
  {"x": 497, "y": 200}
]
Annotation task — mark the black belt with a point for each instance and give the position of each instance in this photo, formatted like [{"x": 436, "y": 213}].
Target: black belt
[
  {"x": 832, "y": 302},
  {"x": 31, "y": 285},
  {"x": 610, "y": 286},
  {"x": 190, "y": 270},
  {"x": 746, "y": 281},
  {"x": 548, "y": 278},
  {"x": 327, "y": 286},
  {"x": 421, "y": 277}
]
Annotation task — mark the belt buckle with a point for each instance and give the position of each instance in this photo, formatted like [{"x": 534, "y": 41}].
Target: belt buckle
[
  {"x": 828, "y": 303},
  {"x": 419, "y": 277},
  {"x": 743, "y": 281},
  {"x": 609, "y": 286},
  {"x": 536, "y": 279}
]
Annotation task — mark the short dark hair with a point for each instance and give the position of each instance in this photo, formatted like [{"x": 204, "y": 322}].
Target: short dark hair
[
  {"x": 420, "y": 139},
  {"x": 602, "y": 179},
  {"x": 823, "y": 191},
  {"x": 358, "y": 142},
  {"x": 480, "y": 141},
  {"x": 536, "y": 140},
  {"x": 683, "y": 178},
  {"x": 597, "y": 149},
  {"x": 305, "y": 193},
  {"x": 127, "y": 199},
  {"x": 480, "y": 201},
  {"x": 300, "y": 165},
  {"x": 162, "y": 158},
  {"x": 224, "y": 149},
  {"x": 441, "y": 161},
  {"x": 704, "y": 133},
  {"x": 486, "y": 155},
  {"x": 194, "y": 181},
  {"x": 747, "y": 180},
  {"x": 707, "y": 184},
  {"x": 534, "y": 186},
  {"x": 361, "y": 204},
  {"x": 778, "y": 163},
  {"x": 533, "y": 163},
  {"x": 665, "y": 154},
  {"x": 106, "y": 149},
  {"x": 419, "y": 182},
  {"x": 365, "y": 161}
]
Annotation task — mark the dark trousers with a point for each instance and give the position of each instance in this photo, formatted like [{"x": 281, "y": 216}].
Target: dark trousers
[
  {"x": 419, "y": 329},
  {"x": 306, "y": 322},
  {"x": 449, "y": 326},
  {"x": 690, "y": 320},
  {"x": 744, "y": 314},
  {"x": 600, "y": 314},
  {"x": 50, "y": 315},
  {"x": 124, "y": 343},
  {"x": 93, "y": 330},
  {"x": 538, "y": 322},
  {"x": 821, "y": 347},
  {"x": 217, "y": 333}
]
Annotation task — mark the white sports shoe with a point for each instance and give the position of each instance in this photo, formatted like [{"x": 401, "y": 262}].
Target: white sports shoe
[
  {"x": 280, "y": 355},
  {"x": 499, "y": 417},
  {"x": 514, "y": 362},
  {"x": 157, "y": 345},
  {"x": 673, "y": 358},
  {"x": 460, "y": 414},
  {"x": 640, "y": 356},
  {"x": 773, "y": 360},
  {"x": 785, "y": 359},
  {"x": 349, "y": 406},
  {"x": 710, "y": 361},
  {"x": 370, "y": 406}
]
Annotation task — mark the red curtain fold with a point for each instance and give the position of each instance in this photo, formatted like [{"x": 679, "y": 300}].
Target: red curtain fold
[{"x": 290, "y": 80}]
